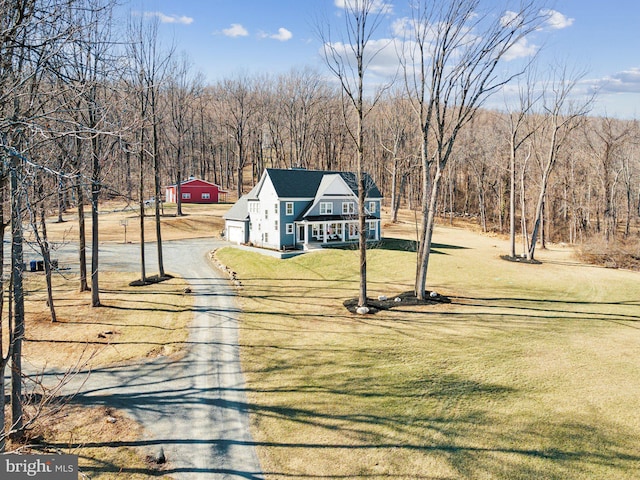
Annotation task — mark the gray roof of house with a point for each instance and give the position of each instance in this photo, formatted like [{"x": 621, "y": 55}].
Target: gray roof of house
[
  {"x": 297, "y": 183},
  {"x": 240, "y": 209}
]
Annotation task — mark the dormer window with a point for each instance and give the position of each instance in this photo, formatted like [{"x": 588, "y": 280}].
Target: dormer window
[
  {"x": 326, "y": 208},
  {"x": 348, "y": 208}
]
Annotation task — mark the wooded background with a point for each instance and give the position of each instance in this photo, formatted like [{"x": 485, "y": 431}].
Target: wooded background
[{"x": 85, "y": 111}]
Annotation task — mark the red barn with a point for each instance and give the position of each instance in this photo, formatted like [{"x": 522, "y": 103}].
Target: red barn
[{"x": 194, "y": 191}]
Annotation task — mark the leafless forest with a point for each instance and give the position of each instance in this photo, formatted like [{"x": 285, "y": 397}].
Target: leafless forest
[
  {"x": 85, "y": 114},
  {"x": 92, "y": 109}
]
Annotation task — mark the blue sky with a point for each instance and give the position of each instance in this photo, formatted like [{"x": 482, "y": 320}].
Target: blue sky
[{"x": 227, "y": 37}]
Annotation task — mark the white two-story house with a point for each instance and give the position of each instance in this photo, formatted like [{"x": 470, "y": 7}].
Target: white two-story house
[{"x": 297, "y": 209}]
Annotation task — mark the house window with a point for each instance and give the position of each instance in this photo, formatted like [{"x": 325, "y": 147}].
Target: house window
[
  {"x": 348, "y": 208},
  {"x": 289, "y": 228},
  {"x": 317, "y": 232},
  {"x": 266, "y": 214},
  {"x": 186, "y": 196},
  {"x": 372, "y": 207},
  {"x": 275, "y": 208},
  {"x": 289, "y": 206},
  {"x": 334, "y": 231},
  {"x": 266, "y": 237},
  {"x": 372, "y": 226},
  {"x": 206, "y": 196},
  {"x": 275, "y": 225},
  {"x": 353, "y": 230},
  {"x": 326, "y": 208}
]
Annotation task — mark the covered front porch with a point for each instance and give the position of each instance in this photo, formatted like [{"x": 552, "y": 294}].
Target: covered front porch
[{"x": 318, "y": 233}]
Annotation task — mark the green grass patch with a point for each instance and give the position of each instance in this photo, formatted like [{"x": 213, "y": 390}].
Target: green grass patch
[{"x": 530, "y": 372}]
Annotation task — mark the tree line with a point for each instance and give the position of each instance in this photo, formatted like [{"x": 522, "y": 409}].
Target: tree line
[{"x": 93, "y": 108}]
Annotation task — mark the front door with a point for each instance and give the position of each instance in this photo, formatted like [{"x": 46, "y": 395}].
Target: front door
[{"x": 301, "y": 236}]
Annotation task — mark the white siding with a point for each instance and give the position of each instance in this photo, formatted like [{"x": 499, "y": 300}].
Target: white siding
[{"x": 261, "y": 227}]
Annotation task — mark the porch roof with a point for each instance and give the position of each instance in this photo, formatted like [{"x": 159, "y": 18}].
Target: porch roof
[{"x": 333, "y": 218}]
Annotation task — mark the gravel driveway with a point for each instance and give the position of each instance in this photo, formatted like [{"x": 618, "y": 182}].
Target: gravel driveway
[{"x": 195, "y": 409}]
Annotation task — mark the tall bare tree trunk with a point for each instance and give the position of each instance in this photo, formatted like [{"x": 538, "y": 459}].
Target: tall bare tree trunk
[
  {"x": 156, "y": 181},
  {"x": 17, "y": 271},
  {"x": 4, "y": 357},
  {"x": 82, "y": 236},
  {"x": 43, "y": 241},
  {"x": 95, "y": 236},
  {"x": 143, "y": 268}
]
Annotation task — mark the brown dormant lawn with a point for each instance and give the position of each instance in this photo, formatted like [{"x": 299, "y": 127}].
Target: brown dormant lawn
[
  {"x": 531, "y": 371},
  {"x": 133, "y": 322}
]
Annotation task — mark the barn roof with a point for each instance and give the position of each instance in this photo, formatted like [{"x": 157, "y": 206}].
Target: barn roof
[{"x": 196, "y": 181}]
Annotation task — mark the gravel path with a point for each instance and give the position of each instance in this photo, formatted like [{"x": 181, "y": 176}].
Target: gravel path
[{"x": 195, "y": 409}]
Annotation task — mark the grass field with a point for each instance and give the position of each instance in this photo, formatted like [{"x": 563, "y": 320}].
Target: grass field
[{"x": 531, "y": 372}]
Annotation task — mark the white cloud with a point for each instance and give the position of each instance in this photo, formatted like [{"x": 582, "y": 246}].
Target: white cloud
[
  {"x": 522, "y": 48},
  {"x": 377, "y": 6},
  {"x": 627, "y": 81},
  {"x": 509, "y": 18},
  {"x": 401, "y": 27},
  {"x": 283, "y": 35},
  {"x": 556, "y": 20},
  {"x": 164, "y": 18},
  {"x": 235, "y": 30}
]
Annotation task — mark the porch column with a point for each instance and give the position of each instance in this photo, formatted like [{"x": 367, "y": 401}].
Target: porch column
[{"x": 324, "y": 232}]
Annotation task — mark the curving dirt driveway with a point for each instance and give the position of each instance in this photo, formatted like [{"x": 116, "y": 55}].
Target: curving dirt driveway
[{"x": 195, "y": 409}]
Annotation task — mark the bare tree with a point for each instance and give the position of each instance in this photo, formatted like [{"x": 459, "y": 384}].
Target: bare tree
[
  {"x": 562, "y": 114},
  {"x": 606, "y": 139},
  {"x": 521, "y": 125},
  {"x": 238, "y": 105},
  {"x": 150, "y": 63},
  {"x": 348, "y": 61},
  {"x": 450, "y": 67},
  {"x": 630, "y": 170},
  {"x": 37, "y": 218},
  {"x": 396, "y": 133},
  {"x": 29, "y": 32},
  {"x": 182, "y": 90}
]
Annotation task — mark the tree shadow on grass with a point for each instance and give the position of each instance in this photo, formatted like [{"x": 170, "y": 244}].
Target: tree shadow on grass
[
  {"x": 403, "y": 245},
  {"x": 564, "y": 449},
  {"x": 395, "y": 244}
]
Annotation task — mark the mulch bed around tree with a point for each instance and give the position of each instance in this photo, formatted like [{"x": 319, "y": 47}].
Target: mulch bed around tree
[
  {"x": 402, "y": 300},
  {"x": 150, "y": 280},
  {"x": 517, "y": 259}
]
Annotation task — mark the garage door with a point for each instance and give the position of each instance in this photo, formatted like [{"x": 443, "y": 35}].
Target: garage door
[{"x": 235, "y": 234}]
